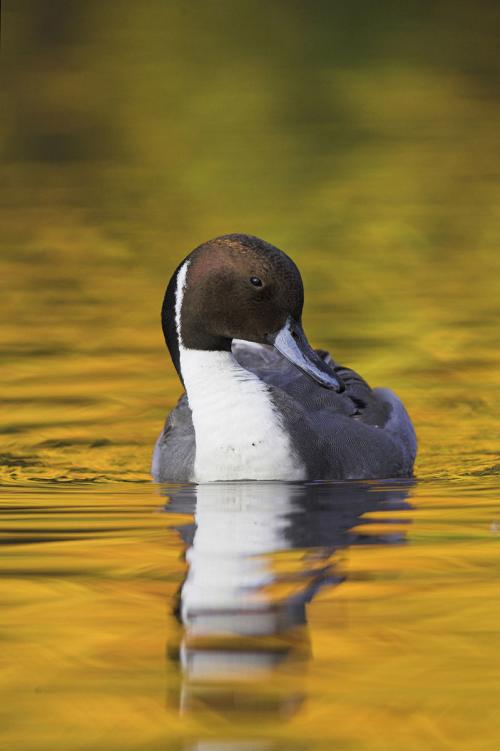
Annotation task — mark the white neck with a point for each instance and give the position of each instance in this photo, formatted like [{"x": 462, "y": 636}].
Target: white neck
[{"x": 239, "y": 435}]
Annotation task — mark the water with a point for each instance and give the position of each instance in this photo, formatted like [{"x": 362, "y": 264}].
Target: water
[
  {"x": 302, "y": 616},
  {"x": 261, "y": 616}
]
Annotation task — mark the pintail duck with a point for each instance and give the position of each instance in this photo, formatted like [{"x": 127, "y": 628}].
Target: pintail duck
[{"x": 259, "y": 402}]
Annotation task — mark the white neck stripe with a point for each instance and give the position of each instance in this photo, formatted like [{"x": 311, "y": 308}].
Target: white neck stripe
[{"x": 179, "y": 296}]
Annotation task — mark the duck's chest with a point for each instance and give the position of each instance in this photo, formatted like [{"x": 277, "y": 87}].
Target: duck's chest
[{"x": 239, "y": 434}]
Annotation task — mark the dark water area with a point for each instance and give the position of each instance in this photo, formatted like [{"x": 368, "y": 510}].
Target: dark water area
[{"x": 364, "y": 142}]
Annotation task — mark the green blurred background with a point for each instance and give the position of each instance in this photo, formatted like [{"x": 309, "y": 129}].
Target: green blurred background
[{"x": 361, "y": 138}]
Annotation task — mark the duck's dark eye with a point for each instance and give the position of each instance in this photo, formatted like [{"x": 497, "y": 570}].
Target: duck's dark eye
[{"x": 255, "y": 281}]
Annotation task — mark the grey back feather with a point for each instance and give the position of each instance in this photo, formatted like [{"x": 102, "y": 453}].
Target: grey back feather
[{"x": 174, "y": 453}]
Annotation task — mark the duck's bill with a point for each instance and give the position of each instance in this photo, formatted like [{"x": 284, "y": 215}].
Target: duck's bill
[{"x": 292, "y": 343}]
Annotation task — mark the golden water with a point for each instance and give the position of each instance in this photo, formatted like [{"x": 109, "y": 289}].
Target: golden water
[{"x": 360, "y": 617}]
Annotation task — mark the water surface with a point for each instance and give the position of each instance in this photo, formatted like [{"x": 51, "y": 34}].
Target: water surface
[
  {"x": 251, "y": 615},
  {"x": 274, "y": 615}
]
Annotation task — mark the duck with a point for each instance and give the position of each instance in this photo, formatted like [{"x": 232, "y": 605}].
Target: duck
[{"x": 259, "y": 403}]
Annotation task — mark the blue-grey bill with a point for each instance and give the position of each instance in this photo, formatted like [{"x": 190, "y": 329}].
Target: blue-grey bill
[{"x": 292, "y": 343}]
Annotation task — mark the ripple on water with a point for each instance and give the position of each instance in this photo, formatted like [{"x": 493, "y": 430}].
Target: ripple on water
[{"x": 258, "y": 615}]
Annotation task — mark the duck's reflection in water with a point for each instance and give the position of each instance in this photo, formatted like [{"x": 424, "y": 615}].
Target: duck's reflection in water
[{"x": 257, "y": 554}]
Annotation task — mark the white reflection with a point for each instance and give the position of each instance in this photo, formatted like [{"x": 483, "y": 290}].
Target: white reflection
[{"x": 242, "y": 614}]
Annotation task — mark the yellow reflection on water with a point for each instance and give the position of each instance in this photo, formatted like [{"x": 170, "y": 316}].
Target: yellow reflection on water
[
  {"x": 369, "y": 622},
  {"x": 365, "y": 144}
]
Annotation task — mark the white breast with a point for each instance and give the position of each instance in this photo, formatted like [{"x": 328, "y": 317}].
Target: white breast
[{"x": 238, "y": 432}]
